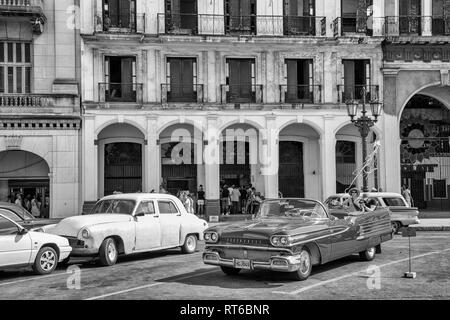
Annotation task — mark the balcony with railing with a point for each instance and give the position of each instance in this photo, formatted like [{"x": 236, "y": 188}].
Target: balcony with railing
[
  {"x": 417, "y": 25},
  {"x": 352, "y": 25},
  {"x": 17, "y": 103},
  {"x": 300, "y": 93},
  {"x": 358, "y": 92},
  {"x": 241, "y": 93},
  {"x": 122, "y": 23},
  {"x": 193, "y": 93},
  {"x": 121, "y": 92},
  {"x": 261, "y": 25},
  {"x": 34, "y": 8}
]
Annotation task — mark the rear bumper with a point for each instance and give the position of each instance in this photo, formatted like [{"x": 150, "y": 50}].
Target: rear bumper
[{"x": 276, "y": 263}]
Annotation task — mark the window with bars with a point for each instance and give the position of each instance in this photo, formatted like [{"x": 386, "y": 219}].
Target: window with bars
[{"x": 15, "y": 67}]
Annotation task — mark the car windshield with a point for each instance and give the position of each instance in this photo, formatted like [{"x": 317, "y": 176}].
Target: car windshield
[
  {"x": 116, "y": 206},
  {"x": 291, "y": 208}
]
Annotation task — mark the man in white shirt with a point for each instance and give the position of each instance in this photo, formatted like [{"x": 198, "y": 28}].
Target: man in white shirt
[{"x": 235, "y": 199}]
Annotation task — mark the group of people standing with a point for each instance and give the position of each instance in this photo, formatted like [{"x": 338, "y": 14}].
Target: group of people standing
[
  {"x": 239, "y": 199},
  {"x": 34, "y": 204}
]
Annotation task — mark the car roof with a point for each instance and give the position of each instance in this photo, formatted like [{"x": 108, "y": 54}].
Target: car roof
[
  {"x": 140, "y": 196},
  {"x": 370, "y": 194}
]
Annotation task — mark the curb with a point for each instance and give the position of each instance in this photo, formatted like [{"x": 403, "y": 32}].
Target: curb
[{"x": 433, "y": 228}]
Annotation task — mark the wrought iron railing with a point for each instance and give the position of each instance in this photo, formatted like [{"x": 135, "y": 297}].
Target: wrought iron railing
[
  {"x": 182, "y": 93},
  {"x": 417, "y": 25},
  {"x": 300, "y": 93},
  {"x": 121, "y": 23},
  {"x": 241, "y": 93},
  {"x": 356, "y": 92},
  {"x": 22, "y": 3},
  {"x": 352, "y": 25},
  {"x": 120, "y": 92},
  {"x": 264, "y": 25}
]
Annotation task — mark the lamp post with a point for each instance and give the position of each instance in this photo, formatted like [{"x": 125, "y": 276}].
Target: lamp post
[{"x": 364, "y": 123}]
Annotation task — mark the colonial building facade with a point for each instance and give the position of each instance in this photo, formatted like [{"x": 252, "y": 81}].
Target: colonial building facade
[{"x": 39, "y": 104}]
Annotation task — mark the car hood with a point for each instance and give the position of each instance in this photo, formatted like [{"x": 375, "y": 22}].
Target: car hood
[
  {"x": 72, "y": 226},
  {"x": 268, "y": 227},
  {"x": 42, "y": 238},
  {"x": 36, "y": 223}
]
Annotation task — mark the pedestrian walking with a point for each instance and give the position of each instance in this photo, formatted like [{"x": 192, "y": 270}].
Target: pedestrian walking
[
  {"x": 200, "y": 201},
  {"x": 35, "y": 207},
  {"x": 235, "y": 196},
  {"x": 406, "y": 193},
  {"x": 225, "y": 200},
  {"x": 18, "y": 201}
]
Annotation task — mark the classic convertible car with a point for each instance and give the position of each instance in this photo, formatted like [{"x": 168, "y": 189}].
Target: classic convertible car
[
  {"x": 401, "y": 214},
  {"x": 131, "y": 223},
  {"x": 292, "y": 235}
]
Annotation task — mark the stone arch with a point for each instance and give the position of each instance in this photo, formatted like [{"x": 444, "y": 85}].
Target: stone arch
[
  {"x": 132, "y": 123},
  {"x": 309, "y": 123}
]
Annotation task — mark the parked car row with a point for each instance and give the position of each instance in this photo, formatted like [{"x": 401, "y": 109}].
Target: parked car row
[{"x": 286, "y": 235}]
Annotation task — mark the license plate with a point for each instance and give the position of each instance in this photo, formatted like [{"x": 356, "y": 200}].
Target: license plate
[{"x": 242, "y": 264}]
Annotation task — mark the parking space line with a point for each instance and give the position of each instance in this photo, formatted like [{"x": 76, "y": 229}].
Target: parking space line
[
  {"x": 123, "y": 291},
  {"x": 147, "y": 286},
  {"x": 32, "y": 278},
  {"x": 321, "y": 283}
]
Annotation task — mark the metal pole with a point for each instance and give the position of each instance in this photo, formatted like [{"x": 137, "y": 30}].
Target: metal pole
[
  {"x": 409, "y": 241},
  {"x": 364, "y": 154}
]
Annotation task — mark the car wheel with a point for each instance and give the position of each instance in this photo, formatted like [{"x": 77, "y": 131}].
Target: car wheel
[
  {"x": 108, "y": 253},
  {"x": 46, "y": 261},
  {"x": 396, "y": 227},
  {"x": 230, "y": 271},
  {"x": 305, "y": 268},
  {"x": 368, "y": 254},
  {"x": 190, "y": 244}
]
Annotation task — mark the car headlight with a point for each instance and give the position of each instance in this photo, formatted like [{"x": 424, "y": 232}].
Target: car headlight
[
  {"x": 211, "y": 237},
  {"x": 278, "y": 241},
  {"x": 85, "y": 234}
]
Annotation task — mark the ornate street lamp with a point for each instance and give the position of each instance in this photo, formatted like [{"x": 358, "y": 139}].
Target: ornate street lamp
[{"x": 364, "y": 123}]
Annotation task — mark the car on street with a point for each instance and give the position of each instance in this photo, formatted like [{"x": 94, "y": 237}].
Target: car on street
[
  {"x": 402, "y": 215},
  {"x": 23, "y": 217},
  {"x": 292, "y": 235},
  {"x": 126, "y": 224},
  {"x": 21, "y": 248}
]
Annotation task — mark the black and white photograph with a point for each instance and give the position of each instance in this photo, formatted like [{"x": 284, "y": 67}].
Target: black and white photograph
[{"x": 244, "y": 152}]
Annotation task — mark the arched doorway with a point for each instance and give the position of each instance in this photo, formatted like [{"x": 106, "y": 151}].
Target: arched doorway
[
  {"x": 26, "y": 174},
  {"x": 239, "y": 157},
  {"x": 425, "y": 152},
  {"x": 121, "y": 148},
  {"x": 181, "y": 158},
  {"x": 349, "y": 159},
  {"x": 299, "y": 160}
]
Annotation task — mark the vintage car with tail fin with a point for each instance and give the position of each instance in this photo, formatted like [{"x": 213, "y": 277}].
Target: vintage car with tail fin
[
  {"x": 292, "y": 235},
  {"x": 126, "y": 224}
]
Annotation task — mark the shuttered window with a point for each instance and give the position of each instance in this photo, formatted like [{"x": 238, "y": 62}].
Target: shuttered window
[
  {"x": 181, "y": 79},
  {"x": 356, "y": 75},
  {"x": 15, "y": 67}
]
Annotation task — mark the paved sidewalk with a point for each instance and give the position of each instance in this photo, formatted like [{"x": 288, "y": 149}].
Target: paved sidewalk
[{"x": 433, "y": 225}]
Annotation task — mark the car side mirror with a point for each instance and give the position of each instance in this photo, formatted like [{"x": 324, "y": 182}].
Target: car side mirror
[
  {"x": 22, "y": 232},
  {"x": 139, "y": 214}
]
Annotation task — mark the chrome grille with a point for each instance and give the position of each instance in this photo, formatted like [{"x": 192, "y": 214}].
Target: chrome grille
[{"x": 246, "y": 241}]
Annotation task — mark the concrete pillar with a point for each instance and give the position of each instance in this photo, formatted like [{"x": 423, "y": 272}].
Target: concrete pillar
[
  {"x": 89, "y": 160},
  {"x": 153, "y": 155},
  {"x": 328, "y": 158},
  {"x": 391, "y": 153},
  {"x": 212, "y": 167},
  {"x": 427, "y": 21},
  {"x": 269, "y": 157}
]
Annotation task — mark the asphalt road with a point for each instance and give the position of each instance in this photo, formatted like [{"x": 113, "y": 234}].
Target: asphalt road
[{"x": 171, "y": 275}]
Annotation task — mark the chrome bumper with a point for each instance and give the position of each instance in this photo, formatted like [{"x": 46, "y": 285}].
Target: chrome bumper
[{"x": 276, "y": 263}]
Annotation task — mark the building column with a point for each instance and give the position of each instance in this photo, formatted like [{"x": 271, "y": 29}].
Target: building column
[
  {"x": 270, "y": 159},
  {"x": 89, "y": 160},
  {"x": 212, "y": 167},
  {"x": 328, "y": 158},
  {"x": 427, "y": 13},
  {"x": 153, "y": 156},
  {"x": 391, "y": 153}
]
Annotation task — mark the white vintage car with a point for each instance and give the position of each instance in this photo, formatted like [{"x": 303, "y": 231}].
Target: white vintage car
[
  {"x": 22, "y": 248},
  {"x": 131, "y": 223}
]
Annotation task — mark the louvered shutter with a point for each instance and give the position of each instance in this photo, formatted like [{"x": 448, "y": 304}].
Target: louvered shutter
[{"x": 361, "y": 16}]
